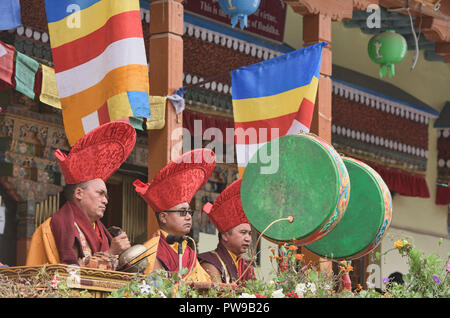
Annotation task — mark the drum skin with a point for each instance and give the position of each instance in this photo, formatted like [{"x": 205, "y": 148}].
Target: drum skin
[
  {"x": 311, "y": 184},
  {"x": 366, "y": 219}
]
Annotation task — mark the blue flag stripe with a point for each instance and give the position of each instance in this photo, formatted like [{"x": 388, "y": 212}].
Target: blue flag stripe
[
  {"x": 59, "y": 9},
  {"x": 277, "y": 75},
  {"x": 139, "y": 104}
]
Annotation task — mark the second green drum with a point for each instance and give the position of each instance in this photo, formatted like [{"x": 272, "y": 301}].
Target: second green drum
[{"x": 366, "y": 219}]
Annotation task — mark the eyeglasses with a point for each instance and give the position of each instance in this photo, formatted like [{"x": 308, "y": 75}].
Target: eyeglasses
[{"x": 183, "y": 212}]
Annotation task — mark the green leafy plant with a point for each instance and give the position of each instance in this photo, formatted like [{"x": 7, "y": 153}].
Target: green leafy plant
[{"x": 428, "y": 276}]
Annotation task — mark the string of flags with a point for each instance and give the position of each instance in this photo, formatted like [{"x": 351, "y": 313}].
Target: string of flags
[
  {"x": 21, "y": 72},
  {"x": 38, "y": 82}
]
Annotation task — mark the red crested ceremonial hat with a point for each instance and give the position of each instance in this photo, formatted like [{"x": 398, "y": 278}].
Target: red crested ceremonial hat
[
  {"x": 227, "y": 211},
  {"x": 98, "y": 154},
  {"x": 179, "y": 180}
]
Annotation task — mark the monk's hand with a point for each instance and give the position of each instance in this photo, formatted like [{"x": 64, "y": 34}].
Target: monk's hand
[{"x": 119, "y": 244}]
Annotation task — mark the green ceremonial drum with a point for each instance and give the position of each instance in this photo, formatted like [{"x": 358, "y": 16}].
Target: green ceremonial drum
[
  {"x": 307, "y": 179},
  {"x": 366, "y": 219}
]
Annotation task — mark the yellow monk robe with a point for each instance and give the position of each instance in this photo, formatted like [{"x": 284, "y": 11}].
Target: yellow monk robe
[{"x": 43, "y": 248}]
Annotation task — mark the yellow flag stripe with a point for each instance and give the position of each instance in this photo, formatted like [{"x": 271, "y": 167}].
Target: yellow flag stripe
[
  {"x": 119, "y": 107},
  {"x": 84, "y": 22},
  {"x": 252, "y": 109}
]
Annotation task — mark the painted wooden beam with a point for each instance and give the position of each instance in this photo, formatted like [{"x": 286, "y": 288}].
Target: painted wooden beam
[{"x": 166, "y": 75}]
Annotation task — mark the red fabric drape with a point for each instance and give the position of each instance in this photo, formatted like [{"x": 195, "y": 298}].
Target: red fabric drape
[
  {"x": 208, "y": 121},
  {"x": 442, "y": 195},
  {"x": 443, "y": 192},
  {"x": 402, "y": 182}
]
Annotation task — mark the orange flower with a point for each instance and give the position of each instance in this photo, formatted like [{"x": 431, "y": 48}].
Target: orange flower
[
  {"x": 273, "y": 251},
  {"x": 349, "y": 268},
  {"x": 127, "y": 294},
  {"x": 293, "y": 247},
  {"x": 299, "y": 256},
  {"x": 359, "y": 286},
  {"x": 342, "y": 268}
]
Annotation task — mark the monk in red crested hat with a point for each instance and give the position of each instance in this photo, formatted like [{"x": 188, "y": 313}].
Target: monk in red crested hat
[
  {"x": 75, "y": 233},
  {"x": 225, "y": 264},
  {"x": 169, "y": 195}
]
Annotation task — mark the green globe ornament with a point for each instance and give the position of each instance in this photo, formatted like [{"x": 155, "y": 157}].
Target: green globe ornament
[{"x": 386, "y": 49}]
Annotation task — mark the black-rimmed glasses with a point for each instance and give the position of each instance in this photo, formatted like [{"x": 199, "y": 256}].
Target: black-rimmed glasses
[{"x": 183, "y": 212}]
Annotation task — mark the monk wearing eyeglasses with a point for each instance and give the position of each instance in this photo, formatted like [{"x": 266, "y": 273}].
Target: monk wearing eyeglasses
[{"x": 169, "y": 195}]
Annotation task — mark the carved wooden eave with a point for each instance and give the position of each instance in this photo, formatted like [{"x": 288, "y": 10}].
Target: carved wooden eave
[
  {"x": 417, "y": 8},
  {"x": 434, "y": 24},
  {"x": 438, "y": 31},
  {"x": 337, "y": 9},
  {"x": 435, "y": 29}
]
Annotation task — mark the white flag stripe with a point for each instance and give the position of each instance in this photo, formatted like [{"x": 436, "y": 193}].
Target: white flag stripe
[
  {"x": 296, "y": 128},
  {"x": 86, "y": 75},
  {"x": 244, "y": 153},
  {"x": 90, "y": 122}
]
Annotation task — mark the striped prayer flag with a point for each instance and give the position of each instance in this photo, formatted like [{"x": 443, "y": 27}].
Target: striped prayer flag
[
  {"x": 274, "y": 98},
  {"x": 100, "y": 62}
]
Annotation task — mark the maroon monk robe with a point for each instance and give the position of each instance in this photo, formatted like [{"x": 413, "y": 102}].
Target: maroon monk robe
[
  {"x": 233, "y": 272},
  {"x": 67, "y": 237},
  {"x": 169, "y": 258}
]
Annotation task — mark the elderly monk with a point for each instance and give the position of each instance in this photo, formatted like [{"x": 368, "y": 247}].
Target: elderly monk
[
  {"x": 225, "y": 264},
  {"x": 75, "y": 231},
  {"x": 169, "y": 195}
]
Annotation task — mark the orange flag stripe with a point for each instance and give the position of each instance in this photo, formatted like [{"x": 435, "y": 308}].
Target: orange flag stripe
[{"x": 115, "y": 82}]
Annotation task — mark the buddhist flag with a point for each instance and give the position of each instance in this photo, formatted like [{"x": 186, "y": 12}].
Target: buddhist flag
[
  {"x": 100, "y": 62},
  {"x": 274, "y": 98}
]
